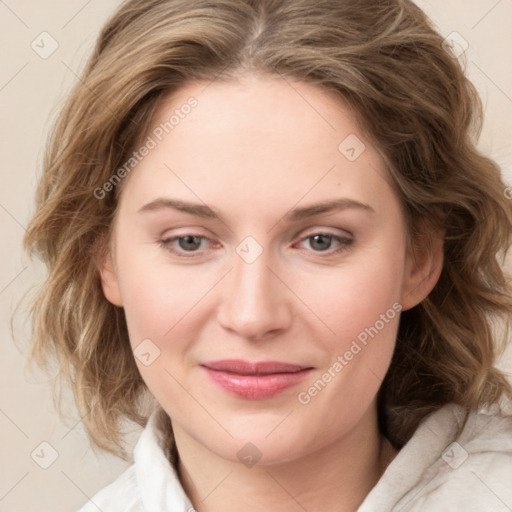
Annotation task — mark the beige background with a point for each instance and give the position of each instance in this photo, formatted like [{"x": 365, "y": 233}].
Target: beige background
[{"x": 31, "y": 91}]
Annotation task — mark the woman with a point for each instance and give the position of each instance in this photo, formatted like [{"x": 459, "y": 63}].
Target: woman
[{"x": 193, "y": 176}]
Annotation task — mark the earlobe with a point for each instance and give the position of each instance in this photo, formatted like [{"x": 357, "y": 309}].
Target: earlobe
[
  {"x": 423, "y": 267},
  {"x": 109, "y": 280}
]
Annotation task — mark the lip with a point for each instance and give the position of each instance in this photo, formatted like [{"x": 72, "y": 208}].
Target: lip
[{"x": 254, "y": 380}]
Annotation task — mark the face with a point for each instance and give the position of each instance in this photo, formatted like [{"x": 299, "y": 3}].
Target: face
[{"x": 260, "y": 256}]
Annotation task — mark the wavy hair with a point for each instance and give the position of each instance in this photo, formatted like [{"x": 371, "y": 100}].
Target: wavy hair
[{"x": 414, "y": 103}]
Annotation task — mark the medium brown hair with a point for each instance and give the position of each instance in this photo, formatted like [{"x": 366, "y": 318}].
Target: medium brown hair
[{"x": 415, "y": 104}]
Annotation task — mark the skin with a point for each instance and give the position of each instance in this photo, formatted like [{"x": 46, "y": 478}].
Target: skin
[{"x": 253, "y": 150}]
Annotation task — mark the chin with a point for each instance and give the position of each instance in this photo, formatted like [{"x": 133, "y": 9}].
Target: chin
[{"x": 266, "y": 441}]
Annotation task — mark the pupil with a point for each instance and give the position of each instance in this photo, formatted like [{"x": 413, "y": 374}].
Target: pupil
[
  {"x": 189, "y": 242},
  {"x": 318, "y": 240}
]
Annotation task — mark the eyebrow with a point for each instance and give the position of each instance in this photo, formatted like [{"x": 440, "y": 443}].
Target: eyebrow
[{"x": 294, "y": 214}]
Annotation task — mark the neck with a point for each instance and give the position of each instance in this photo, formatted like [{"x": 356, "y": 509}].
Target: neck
[{"x": 336, "y": 477}]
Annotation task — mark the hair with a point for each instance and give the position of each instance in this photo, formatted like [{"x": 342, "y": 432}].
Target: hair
[{"x": 414, "y": 102}]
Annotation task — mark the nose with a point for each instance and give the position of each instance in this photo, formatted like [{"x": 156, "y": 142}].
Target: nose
[{"x": 255, "y": 303}]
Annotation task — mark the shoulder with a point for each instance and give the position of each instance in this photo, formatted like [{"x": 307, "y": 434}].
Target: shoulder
[
  {"x": 122, "y": 495},
  {"x": 474, "y": 471},
  {"x": 151, "y": 483},
  {"x": 443, "y": 468}
]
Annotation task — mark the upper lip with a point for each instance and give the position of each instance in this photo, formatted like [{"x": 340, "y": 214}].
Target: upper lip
[{"x": 241, "y": 367}]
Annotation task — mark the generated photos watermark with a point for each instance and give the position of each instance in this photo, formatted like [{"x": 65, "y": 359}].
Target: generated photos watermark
[
  {"x": 357, "y": 345},
  {"x": 152, "y": 141}
]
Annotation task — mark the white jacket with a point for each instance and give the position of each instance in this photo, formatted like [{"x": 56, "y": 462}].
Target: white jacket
[{"x": 434, "y": 471}]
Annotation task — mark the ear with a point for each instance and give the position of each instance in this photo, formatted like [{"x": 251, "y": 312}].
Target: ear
[
  {"x": 423, "y": 266},
  {"x": 108, "y": 277}
]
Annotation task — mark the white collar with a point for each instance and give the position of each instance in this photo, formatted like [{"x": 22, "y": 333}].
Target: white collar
[
  {"x": 158, "y": 480},
  {"x": 160, "y": 488}
]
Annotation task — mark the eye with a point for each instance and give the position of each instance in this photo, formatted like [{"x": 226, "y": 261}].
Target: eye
[
  {"x": 180, "y": 245},
  {"x": 324, "y": 242},
  {"x": 192, "y": 245},
  {"x": 189, "y": 242}
]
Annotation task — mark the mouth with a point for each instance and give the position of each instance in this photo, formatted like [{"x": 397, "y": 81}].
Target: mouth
[{"x": 254, "y": 380}]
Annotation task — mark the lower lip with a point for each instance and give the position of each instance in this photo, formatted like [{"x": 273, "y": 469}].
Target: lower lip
[{"x": 255, "y": 387}]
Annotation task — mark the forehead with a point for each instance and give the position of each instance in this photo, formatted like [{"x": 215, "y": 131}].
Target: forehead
[
  {"x": 255, "y": 112},
  {"x": 258, "y": 141}
]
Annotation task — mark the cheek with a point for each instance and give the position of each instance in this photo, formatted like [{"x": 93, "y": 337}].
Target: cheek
[
  {"x": 157, "y": 297},
  {"x": 161, "y": 305},
  {"x": 353, "y": 298},
  {"x": 360, "y": 303}
]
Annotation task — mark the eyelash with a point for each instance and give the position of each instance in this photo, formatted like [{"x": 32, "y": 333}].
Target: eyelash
[{"x": 344, "y": 242}]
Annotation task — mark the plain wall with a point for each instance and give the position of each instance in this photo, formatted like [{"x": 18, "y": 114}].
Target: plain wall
[{"x": 31, "y": 90}]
